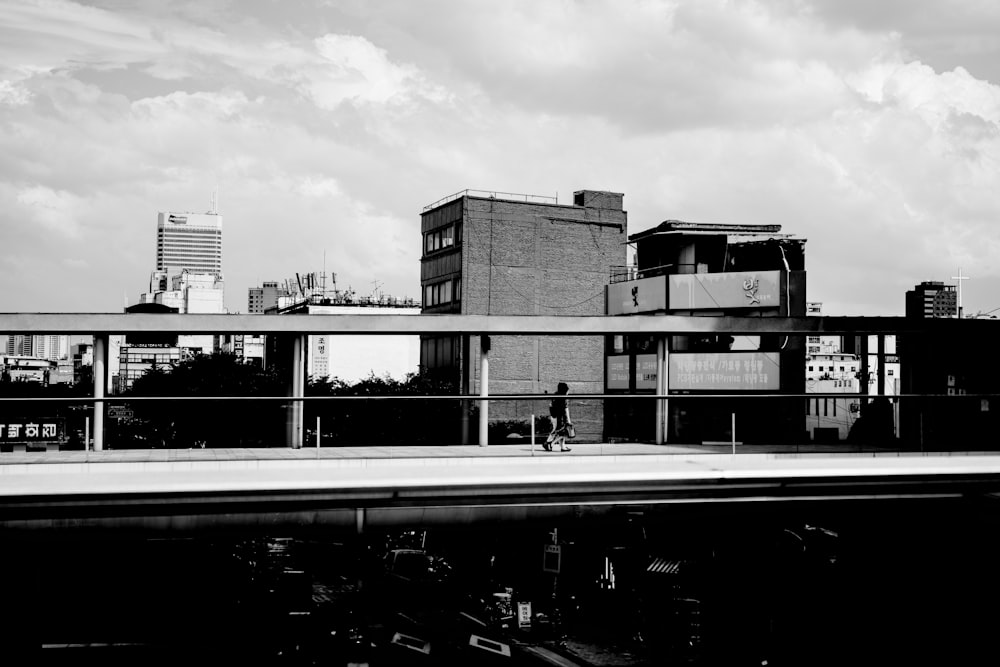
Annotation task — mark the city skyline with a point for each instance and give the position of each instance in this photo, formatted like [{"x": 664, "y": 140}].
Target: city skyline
[{"x": 871, "y": 131}]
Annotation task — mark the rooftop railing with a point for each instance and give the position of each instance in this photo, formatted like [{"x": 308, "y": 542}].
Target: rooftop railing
[{"x": 493, "y": 194}]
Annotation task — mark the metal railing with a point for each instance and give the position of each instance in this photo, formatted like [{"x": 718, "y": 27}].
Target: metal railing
[
  {"x": 919, "y": 421},
  {"x": 493, "y": 194}
]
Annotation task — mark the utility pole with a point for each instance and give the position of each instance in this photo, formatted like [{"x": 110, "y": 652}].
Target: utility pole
[{"x": 960, "y": 278}]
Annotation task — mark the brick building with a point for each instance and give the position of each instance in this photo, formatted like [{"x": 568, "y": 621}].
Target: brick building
[{"x": 502, "y": 254}]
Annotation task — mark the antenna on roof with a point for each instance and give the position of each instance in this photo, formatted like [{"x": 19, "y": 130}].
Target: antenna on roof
[{"x": 215, "y": 201}]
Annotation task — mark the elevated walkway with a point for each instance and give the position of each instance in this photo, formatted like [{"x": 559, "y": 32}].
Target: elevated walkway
[{"x": 361, "y": 488}]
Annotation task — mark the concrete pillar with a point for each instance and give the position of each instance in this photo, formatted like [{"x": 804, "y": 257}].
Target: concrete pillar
[
  {"x": 296, "y": 410},
  {"x": 881, "y": 364},
  {"x": 484, "y": 390},
  {"x": 862, "y": 350},
  {"x": 100, "y": 384},
  {"x": 661, "y": 389},
  {"x": 466, "y": 385}
]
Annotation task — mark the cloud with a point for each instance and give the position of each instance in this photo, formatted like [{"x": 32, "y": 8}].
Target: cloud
[
  {"x": 328, "y": 130},
  {"x": 55, "y": 210}
]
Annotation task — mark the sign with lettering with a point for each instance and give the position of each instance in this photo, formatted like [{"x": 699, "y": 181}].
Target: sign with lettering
[
  {"x": 120, "y": 412},
  {"x": 645, "y": 371},
  {"x": 618, "y": 372},
  {"x": 637, "y": 296},
  {"x": 524, "y": 614},
  {"x": 739, "y": 289},
  {"x": 724, "y": 371},
  {"x": 29, "y": 430}
]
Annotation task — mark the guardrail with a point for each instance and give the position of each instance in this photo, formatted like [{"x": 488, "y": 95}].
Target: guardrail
[
  {"x": 661, "y": 404},
  {"x": 493, "y": 194}
]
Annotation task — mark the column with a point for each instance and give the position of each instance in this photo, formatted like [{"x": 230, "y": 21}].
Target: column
[
  {"x": 465, "y": 386},
  {"x": 297, "y": 390},
  {"x": 881, "y": 364},
  {"x": 484, "y": 391},
  {"x": 661, "y": 389},
  {"x": 100, "y": 384}
]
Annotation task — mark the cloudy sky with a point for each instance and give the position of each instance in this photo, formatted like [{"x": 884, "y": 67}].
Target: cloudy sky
[{"x": 870, "y": 128}]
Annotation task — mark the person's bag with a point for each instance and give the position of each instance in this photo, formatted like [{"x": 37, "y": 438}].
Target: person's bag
[{"x": 570, "y": 431}]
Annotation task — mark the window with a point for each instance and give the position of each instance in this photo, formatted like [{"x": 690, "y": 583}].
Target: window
[
  {"x": 810, "y": 368},
  {"x": 813, "y": 339},
  {"x": 841, "y": 369},
  {"x": 442, "y": 238},
  {"x": 889, "y": 371},
  {"x": 442, "y": 292}
]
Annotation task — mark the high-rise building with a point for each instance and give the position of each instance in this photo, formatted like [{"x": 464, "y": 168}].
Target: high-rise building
[
  {"x": 932, "y": 299},
  {"x": 191, "y": 241},
  {"x": 18, "y": 344},
  {"x": 53, "y": 347}
]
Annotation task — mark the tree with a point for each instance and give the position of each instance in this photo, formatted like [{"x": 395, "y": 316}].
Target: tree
[
  {"x": 384, "y": 421},
  {"x": 181, "y": 422}
]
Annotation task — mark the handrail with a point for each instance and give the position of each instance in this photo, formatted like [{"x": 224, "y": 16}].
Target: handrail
[
  {"x": 124, "y": 398},
  {"x": 451, "y": 324},
  {"x": 492, "y": 194}
]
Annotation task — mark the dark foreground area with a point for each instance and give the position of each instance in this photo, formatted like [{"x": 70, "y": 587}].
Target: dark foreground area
[{"x": 824, "y": 583}]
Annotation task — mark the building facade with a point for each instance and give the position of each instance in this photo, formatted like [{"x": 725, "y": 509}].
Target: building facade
[
  {"x": 503, "y": 254},
  {"x": 191, "y": 241},
  {"x": 52, "y": 347},
  {"x": 828, "y": 418},
  {"x": 260, "y": 299},
  {"x": 708, "y": 270},
  {"x": 949, "y": 367},
  {"x": 932, "y": 299},
  {"x": 355, "y": 358}
]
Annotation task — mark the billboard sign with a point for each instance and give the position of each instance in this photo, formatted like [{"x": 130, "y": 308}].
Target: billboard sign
[
  {"x": 645, "y": 371},
  {"x": 724, "y": 371},
  {"x": 739, "y": 289},
  {"x": 29, "y": 430},
  {"x": 637, "y": 296},
  {"x": 618, "y": 372}
]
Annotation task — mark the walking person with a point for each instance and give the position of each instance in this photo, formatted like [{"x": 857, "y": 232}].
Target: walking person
[{"x": 562, "y": 426}]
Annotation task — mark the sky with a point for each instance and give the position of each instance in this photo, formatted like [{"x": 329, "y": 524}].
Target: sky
[{"x": 871, "y": 129}]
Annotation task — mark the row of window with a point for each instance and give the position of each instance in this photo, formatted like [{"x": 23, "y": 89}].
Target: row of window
[
  {"x": 174, "y": 231},
  {"x": 217, "y": 247},
  {"x": 831, "y": 368},
  {"x": 812, "y": 406},
  {"x": 442, "y": 238},
  {"x": 446, "y": 291},
  {"x": 142, "y": 358}
]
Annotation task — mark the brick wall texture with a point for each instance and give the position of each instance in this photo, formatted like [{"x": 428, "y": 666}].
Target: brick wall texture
[{"x": 541, "y": 259}]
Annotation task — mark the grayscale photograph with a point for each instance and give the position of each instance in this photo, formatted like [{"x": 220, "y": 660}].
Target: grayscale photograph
[{"x": 568, "y": 333}]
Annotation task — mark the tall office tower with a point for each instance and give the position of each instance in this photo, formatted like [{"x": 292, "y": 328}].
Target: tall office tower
[
  {"x": 18, "y": 345},
  {"x": 191, "y": 241},
  {"x": 51, "y": 347},
  {"x": 931, "y": 299}
]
